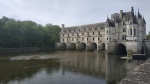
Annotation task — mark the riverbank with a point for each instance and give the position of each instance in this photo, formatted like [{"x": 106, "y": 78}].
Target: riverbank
[
  {"x": 139, "y": 75},
  {"x": 24, "y": 49}
]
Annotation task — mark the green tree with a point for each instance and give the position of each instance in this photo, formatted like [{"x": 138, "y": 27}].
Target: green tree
[{"x": 27, "y": 33}]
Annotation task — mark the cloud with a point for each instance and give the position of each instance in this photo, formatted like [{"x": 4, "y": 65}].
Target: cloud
[{"x": 69, "y": 12}]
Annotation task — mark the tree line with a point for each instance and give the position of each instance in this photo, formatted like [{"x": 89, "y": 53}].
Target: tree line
[{"x": 15, "y": 33}]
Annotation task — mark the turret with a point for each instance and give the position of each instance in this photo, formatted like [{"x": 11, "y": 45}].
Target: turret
[
  {"x": 132, "y": 10},
  {"x": 144, "y": 20},
  {"x": 139, "y": 15},
  {"x": 109, "y": 23}
]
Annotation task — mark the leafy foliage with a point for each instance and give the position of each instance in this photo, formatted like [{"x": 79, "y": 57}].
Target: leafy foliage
[{"x": 27, "y": 33}]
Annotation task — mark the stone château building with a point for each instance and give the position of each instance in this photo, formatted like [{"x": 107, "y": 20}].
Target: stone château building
[{"x": 123, "y": 31}]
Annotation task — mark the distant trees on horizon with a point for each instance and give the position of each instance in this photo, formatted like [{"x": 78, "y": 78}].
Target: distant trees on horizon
[{"x": 27, "y": 33}]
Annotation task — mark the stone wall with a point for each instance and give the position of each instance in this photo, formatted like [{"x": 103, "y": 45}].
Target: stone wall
[{"x": 139, "y": 75}]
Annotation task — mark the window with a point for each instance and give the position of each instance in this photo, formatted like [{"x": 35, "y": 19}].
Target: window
[
  {"x": 77, "y": 39},
  {"x": 130, "y": 22},
  {"x": 98, "y": 38},
  {"x": 107, "y": 31},
  {"x": 82, "y": 39},
  {"x": 82, "y": 34},
  {"x": 122, "y": 37},
  {"x": 93, "y": 38},
  {"x": 99, "y": 33},
  {"x": 72, "y": 39},
  {"x": 67, "y": 39},
  {"x": 88, "y": 33},
  {"x": 77, "y": 34},
  {"x": 68, "y": 35},
  {"x": 72, "y": 34},
  {"x": 63, "y": 39},
  {"x": 87, "y": 39},
  {"x": 124, "y": 30},
  {"x": 63, "y": 35},
  {"x": 107, "y": 38},
  {"x": 93, "y": 33},
  {"x": 130, "y": 31}
]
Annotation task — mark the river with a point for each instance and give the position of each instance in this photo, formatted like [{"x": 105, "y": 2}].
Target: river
[{"x": 63, "y": 67}]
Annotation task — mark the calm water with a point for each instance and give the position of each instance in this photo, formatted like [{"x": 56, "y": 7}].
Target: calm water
[{"x": 63, "y": 67}]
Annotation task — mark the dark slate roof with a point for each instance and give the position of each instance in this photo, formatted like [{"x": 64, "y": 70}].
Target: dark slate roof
[
  {"x": 126, "y": 15},
  {"x": 110, "y": 23},
  {"x": 102, "y": 24},
  {"x": 144, "y": 20}
]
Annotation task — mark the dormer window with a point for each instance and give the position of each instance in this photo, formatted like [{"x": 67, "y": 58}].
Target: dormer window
[{"x": 131, "y": 22}]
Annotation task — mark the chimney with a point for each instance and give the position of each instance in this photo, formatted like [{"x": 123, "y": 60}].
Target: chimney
[
  {"x": 63, "y": 26},
  {"x": 121, "y": 13}
]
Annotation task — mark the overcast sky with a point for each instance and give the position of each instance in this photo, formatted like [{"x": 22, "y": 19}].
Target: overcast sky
[{"x": 70, "y": 12}]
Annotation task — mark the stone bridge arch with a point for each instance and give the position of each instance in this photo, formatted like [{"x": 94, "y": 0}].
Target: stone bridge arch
[
  {"x": 94, "y": 46},
  {"x": 82, "y": 46},
  {"x": 103, "y": 47},
  {"x": 120, "y": 48},
  {"x": 72, "y": 46},
  {"x": 63, "y": 46}
]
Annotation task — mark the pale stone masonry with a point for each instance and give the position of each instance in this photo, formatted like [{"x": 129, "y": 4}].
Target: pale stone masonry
[
  {"x": 123, "y": 31},
  {"x": 139, "y": 75}
]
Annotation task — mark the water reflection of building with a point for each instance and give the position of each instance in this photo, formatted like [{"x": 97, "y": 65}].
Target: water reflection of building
[{"x": 101, "y": 66}]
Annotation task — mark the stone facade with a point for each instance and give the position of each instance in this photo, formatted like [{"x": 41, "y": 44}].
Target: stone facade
[{"x": 123, "y": 31}]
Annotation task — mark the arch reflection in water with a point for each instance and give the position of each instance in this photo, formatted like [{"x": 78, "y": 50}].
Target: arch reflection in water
[
  {"x": 75, "y": 67},
  {"x": 100, "y": 65}
]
